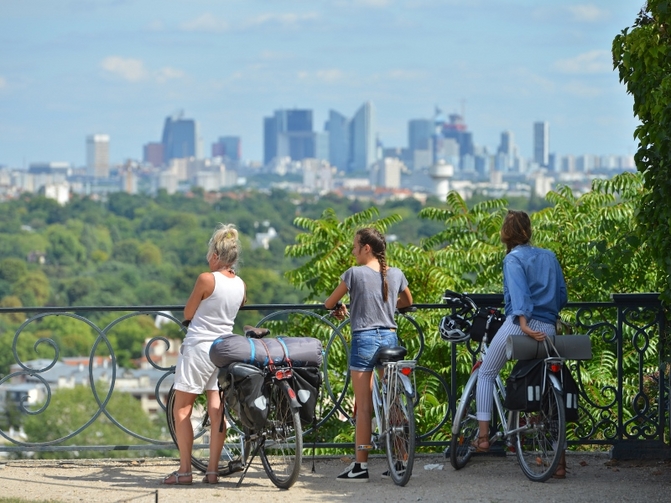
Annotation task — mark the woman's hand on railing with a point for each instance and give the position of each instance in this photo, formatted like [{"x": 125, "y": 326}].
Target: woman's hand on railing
[{"x": 339, "y": 312}]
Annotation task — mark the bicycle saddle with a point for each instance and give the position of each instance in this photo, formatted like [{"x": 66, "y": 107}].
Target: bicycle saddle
[
  {"x": 254, "y": 332},
  {"x": 390, "y": 354}
]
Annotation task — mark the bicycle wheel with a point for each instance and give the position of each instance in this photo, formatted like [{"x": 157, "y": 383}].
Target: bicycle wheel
[
  {"x": 543, "y": 436},
  {"x": 235, "y": 451},
  {"x": 282, "y": 450},
  {"x": 400, "y": 433},
  {"x": 464, "y": 427}
]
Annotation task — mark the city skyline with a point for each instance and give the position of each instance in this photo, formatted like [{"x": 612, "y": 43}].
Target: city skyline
[{"x": 119, "y": 68}]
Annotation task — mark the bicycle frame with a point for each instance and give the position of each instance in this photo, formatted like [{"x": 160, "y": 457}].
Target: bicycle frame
[{"x": 381, "y": 400}]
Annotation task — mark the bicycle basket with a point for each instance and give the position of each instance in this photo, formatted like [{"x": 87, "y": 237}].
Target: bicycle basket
[{"x": 454, "y": 328}]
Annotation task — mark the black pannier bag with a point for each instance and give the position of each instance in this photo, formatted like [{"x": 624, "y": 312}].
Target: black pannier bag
[
  {"x": 307, "y": 384},
  {"x": 571, "y": 394},
  {"x": 247, "y": 393},
  {"x": 487, "y": 320},
  {"x": 524, "y": 386}
]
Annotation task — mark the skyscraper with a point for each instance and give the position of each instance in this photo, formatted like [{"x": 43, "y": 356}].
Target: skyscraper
[
  {"x": 362, "y": 138},
  {"x": 419, "y": 134},
  {"x": 98, "y": 155},
  {"x": 289, "y": 134},
  {"x": 180, "y": 138},
  {"x": 337, "y": 128},
  {"x": 542, "y": 143},
  {"x": 227, "y": 146}
]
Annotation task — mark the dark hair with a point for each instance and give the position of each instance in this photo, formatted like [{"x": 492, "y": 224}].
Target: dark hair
[
  {"x": 516, "y": 229},
  {"x": 378, "y": 246}
]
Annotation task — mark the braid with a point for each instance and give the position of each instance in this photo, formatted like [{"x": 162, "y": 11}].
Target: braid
[
  {"x": 378, "y": 245},
  {"x": 383, "y": 273}
]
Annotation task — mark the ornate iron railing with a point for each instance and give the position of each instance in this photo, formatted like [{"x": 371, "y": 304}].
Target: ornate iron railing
[{"x": 624, "y": 389}]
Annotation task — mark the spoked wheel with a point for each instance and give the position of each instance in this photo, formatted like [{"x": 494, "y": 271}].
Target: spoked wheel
[
  {"x": 465, "y": 419},
  {"x": 282, "y": 449},
  {"x": 400, "y": 434},
  {"x": 542, "y": 439},
  {"x": 235, "y": 451}
]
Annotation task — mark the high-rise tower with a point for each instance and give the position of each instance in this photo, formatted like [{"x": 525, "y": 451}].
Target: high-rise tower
[
  {"x": 362, "y": 138},
  {"x": 180, "y": 138},
  {"x": 542, "y": 143},
  {"x": 98, "y": 155}
]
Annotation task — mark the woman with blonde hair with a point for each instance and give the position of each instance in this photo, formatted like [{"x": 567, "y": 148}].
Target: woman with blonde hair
[{"x": 211, "y": 310}]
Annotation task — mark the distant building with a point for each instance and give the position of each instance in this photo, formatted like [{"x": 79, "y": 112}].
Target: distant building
[
  {"x": 180, "y": 138},
  {"x": 542, "y": 144},
  {"x": 153, "y": 154},
  {"x": 228, "y": 147},
  {"x": 387, "y": 173},
  {"x": 289, "y": 133},
  {"x": 337, "y": 129},
  {"x": 98, "y": 155},
  {"x": 362, "y": 138}
]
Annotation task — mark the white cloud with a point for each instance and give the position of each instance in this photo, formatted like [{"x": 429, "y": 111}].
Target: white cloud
[
  {"x": 582, "y": 90},
  {"x": 587, "y": 13},
  {"x": 129, "y": 69},
  {"x": 399, "y": 74},
  {"x": 3, "y": 83},
  {"x": 168, "y": 73},
  {"x": 327, "y": 76},
  {"x": 134, "y": 70},
  {"x": 597, "y": 61},
  {"x": 207, "y": 23},
  {"x": 287, "y": 20}
]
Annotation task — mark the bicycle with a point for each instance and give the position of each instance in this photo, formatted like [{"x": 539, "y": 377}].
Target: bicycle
[
  {"x": 538, "y": 438},
  {"x": 279, "y": 442},
  {"x": 393, "y": 393}
]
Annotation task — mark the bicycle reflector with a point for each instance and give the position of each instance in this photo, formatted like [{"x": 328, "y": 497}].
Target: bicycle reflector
[
  {"x": 555, "y": 367},
  {"x": 406, "y": 371},
  {"x": 282, "y": 374}
]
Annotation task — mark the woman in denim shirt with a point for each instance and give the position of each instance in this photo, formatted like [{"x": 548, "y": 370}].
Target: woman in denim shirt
[
  {"x": 534, "y": 292},
  {"x": 375, "y": 291}
]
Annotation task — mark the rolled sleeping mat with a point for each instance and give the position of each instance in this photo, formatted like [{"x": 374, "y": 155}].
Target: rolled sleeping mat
[
  {"x": 303, "y": 351},
  {"x": 571, "y": 347}
]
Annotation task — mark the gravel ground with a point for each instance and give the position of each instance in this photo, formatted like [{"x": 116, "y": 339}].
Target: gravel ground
[{"x": 591, "y": 478}]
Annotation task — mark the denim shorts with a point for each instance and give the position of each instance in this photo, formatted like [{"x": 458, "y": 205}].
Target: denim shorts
[{"x": 364, "y": 345}]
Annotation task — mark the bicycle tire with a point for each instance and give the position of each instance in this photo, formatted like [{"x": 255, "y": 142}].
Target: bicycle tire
[
  {"x": 400, "y": 434},
  {"x": 282, "y": 449},
  {"x": 466, "y": 425},
  {"x": 235, "y": 451},
  {"x": 432, "y": 403},
  {"x": 540, "y": 445}
]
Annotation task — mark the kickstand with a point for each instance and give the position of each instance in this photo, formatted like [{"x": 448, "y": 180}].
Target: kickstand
[{"x": 249, "y": 462}]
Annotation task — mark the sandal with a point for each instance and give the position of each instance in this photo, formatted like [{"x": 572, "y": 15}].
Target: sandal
[
  {"x": 206, "y": 478},
  {"x": 174, "y": 481},
  {"x": 560, "y": 472},
  {"x": 477, "y": 444}
]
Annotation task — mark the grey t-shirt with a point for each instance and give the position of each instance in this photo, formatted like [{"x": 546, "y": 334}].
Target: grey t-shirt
[{"x": 367, "y": 309}]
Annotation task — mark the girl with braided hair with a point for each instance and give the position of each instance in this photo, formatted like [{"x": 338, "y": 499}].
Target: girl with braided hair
[{"x": 375, "y": 291}]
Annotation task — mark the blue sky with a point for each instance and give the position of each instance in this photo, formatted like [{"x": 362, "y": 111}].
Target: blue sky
[{"x": 69, "y": 68}]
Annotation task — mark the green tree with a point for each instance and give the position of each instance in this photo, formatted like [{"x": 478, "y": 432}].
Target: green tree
[
  {"x": 33, "y": 288},
  {"x": 642, "y": 56},
  {"x": 71, "y": 409}
]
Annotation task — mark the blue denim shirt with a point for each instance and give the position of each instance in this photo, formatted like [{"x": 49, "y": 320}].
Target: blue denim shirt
[{"x": 533, "y": 284}]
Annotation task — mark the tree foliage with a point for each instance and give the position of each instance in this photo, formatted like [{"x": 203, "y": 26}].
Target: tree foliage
[{"x": 642, "y": 56}]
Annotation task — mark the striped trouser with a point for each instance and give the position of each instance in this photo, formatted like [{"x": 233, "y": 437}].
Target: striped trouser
[{"x": 495, "y": 359}]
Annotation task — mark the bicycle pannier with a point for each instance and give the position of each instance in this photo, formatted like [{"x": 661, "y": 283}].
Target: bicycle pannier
[
  {"x": 246, "y": 393},
  {"x": 524, "y": 386},
  {"x": 307, "y": 384},
  {"x": 571, "y": 394},
  {"x": 487, "y": 320}
]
